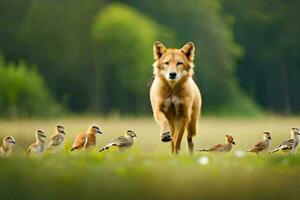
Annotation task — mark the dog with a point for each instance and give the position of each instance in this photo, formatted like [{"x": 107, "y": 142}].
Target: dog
[{"x": 175, "y": 98}]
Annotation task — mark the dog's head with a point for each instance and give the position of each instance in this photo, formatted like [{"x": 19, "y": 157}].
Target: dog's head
[{"x": 173, "y": 64}]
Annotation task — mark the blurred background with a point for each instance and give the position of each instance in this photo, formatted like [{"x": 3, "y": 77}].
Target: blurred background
[{"x": 95, "y": 56}]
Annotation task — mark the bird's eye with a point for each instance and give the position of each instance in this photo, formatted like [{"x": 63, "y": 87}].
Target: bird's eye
[
  {"x": 166, "y": 63},
  {"x": 179, "y": 63}
]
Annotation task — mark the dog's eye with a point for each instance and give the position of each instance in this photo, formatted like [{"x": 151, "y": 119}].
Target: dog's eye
[
  {"x": 179, "y": 63},
  {"x": 166, "y": 63}
]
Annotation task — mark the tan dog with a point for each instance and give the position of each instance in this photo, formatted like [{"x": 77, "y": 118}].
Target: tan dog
[{"x": 175, "y": 97}]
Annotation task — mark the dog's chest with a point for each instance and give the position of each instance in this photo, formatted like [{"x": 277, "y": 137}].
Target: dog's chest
[{"x": 173, "y": 104}]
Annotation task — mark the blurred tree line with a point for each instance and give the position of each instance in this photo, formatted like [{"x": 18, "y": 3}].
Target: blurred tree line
[
  {"x": 269, "y": 71},
  {"x": 96, "y": 55}
]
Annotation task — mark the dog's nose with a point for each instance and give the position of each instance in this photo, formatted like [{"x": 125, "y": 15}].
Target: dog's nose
[{"x": 172, "y": 75}]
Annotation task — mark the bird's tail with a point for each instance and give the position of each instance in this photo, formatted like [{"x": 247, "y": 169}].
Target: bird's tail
[
  {"x": 107, "y": 147},
  {"x": 274, "y": 150},
  {"x": 203, "y": 150},
  {"x": 73, "y": 148}
]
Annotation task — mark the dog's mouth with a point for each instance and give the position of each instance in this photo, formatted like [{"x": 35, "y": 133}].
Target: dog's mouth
[{"x": 172, "y": 79}]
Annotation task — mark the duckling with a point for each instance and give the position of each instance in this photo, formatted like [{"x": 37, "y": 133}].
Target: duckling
[
  {"x": 86, "y": 140},
  {"x": 123, "y": 142},
  {"x": 7, "y": 145},
  {"x": 262, "y": 145},
  {"x": 56, "y": 141},
  {"x": 291, "y": 145},
  {"x": 37, "y": 147},
  {"x": 221, "y": 148}
]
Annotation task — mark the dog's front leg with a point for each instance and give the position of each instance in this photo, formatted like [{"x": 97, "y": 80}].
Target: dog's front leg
[
  {"x": 180, "y": 128},
  {"x": 164, "y": 124},
  {"x": 183, "y": 119}
]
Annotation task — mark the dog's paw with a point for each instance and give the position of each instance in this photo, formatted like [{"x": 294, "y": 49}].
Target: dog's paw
[{"x": 166, "y": 137}]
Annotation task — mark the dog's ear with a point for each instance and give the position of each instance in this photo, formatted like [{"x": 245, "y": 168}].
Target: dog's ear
[
  {"x": 189, "y": 51},
  {"x": 158, "y": 49}
]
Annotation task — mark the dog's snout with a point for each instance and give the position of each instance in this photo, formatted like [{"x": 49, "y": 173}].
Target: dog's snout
[{"x": 172, "y": 75}]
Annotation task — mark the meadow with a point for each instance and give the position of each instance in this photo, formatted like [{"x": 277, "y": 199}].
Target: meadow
[{"x": 148, "y": 170}]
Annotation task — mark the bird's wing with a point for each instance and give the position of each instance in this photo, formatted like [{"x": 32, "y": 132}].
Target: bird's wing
[
  {"x": 85, "y": 142},
  {"x": 216, "y": 147},
  {"x": 55, "y": 140},
  {"x": 287, "y": 144},
  {"x": 79, "y": 140},
  {"x": 31, "y": 147},
  {"x": 119, "y": 141},
  {"x": 258, "y": 147}
]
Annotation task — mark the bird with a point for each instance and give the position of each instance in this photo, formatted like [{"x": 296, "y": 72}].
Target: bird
[
  {"x": 291, "y": 145},
  {"x": 37, "y": 147},
  {"x": 86, "y": 140},
  {"x": 6, "y": 147},
  {"x": 123, "y": 142},
  {"x": 56, "y": 141},
  {"x": 262, "y": 145},
  {"x": 221, "y": 148}
]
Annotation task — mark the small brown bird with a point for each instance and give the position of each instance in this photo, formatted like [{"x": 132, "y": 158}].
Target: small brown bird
[
  {"x": 291, "y": 145},
  {"x": 221, "y": 148},
  {"x": 123, "y": 142},
  {"x": 262, "y": 145},
  {"x": 86, "y": 140},
  {"x": 6, "y": 147},
  {"x": 56, "y": 141},
  {"x": 37, "y": 147}
]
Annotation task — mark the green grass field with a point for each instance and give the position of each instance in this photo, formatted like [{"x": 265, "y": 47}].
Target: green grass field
[{"x": 148, "y": 170}]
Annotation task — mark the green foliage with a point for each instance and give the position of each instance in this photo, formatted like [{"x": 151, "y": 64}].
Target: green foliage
[
  {"x": 269, "y": 30},
  {"x": 96, "y": 55},
  {"x": 56, "y": 35},
  {"x": 124, "y": 39},
  {"x": 204, "y": 23},
  {"x": 23, "y": 92}
]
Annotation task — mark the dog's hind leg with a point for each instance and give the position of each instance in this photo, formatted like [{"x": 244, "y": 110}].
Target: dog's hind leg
[
  {"x": 172, "y": 130},
  {"x": 191, "y": 131},
  {"x": 192, "y": 128}
]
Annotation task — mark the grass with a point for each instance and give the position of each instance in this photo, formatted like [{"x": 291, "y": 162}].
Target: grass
[{"x": 148, "y": 171}]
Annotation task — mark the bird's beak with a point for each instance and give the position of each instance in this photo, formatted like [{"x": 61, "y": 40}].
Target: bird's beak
[
  {"x": 43, "y": 136},
  {"x": 269, "y": 138},
  {"x": 233, "y": 142},
  {"x": 13, "y": 142},
  {"x": 99, "y": 132}
]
